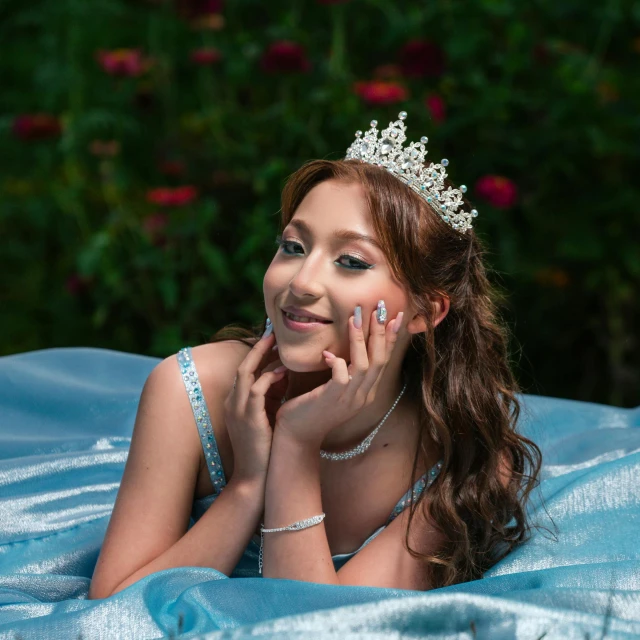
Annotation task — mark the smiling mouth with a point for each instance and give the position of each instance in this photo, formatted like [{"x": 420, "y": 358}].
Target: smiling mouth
[{"x": 303, "y": 319}]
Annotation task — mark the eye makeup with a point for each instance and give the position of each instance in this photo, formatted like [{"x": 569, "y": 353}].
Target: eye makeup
[{"x": 287, "y": 246}]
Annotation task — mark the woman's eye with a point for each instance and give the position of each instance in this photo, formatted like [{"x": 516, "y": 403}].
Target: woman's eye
[{"x": 288, "y": 248}]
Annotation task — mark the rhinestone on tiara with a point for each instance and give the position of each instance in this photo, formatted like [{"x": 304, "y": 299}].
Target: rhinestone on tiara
[{"x": 407, "y": 164}]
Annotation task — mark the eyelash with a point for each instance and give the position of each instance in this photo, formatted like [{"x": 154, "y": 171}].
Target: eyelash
[{"x": 364, "y": 265}]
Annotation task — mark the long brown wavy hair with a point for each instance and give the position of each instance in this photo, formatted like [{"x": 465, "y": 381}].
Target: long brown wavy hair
[{"x": 459, "y": 373}]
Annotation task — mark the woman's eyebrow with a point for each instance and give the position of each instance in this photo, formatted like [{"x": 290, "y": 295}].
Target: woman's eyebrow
[{"x": 342, "y": 234}]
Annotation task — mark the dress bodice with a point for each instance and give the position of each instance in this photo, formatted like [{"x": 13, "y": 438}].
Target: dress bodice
[{"x": 248, "y": 565}]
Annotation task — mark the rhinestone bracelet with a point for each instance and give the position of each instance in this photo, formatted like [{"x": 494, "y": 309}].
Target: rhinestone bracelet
[{"x": 296, "y": 526}]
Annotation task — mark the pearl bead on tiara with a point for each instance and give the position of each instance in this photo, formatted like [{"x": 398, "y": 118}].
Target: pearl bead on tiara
[{"x": 407, "y": 164}]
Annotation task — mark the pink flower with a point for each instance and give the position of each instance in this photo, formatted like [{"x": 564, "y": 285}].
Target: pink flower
[
  {"x": 205, "y": 56},
  {"x": 500, "y": 192},
  {"x": 172, "y": 197},
  {"x": 422, "y": 58},
  {"x": 36, "y": 126},
  {"x": 437, "y": 109},
  {"x": 123, "y": 62},
  {"x": 284, "y": 56},
  {"x": 379, "y": 92}
]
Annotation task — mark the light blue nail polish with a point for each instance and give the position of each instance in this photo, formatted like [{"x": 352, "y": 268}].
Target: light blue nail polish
[
  {"x": 381, "y": 314},
  {"x": 268, "y": 329},
  {"x": 357, "y": 319}
]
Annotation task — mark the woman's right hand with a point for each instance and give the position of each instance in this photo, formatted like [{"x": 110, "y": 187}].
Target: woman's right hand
[{"x": 248, "y": 406}]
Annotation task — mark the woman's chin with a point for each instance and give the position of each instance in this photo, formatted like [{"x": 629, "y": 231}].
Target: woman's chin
[{"x": 304, "y": 365}]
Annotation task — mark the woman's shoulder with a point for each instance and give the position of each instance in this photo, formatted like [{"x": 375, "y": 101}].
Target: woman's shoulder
[{"x": 216, "y": 364}]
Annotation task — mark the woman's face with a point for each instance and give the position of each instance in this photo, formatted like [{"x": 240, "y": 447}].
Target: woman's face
[{"x": 324, "y": 274}]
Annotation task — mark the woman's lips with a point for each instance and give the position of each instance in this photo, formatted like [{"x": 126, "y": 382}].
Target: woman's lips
[{"x": 301, "y": 326}]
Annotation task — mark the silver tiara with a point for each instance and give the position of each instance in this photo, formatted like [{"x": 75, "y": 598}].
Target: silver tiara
[{"x": 407, "y": 164}]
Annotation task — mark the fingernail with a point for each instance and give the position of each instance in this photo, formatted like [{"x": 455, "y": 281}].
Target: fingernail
[
  {"x": 282, "y": 367},
  {"x": 357, "y": 319},
  {"x": 397, "y": 322},
  {"x": 268, "y": 330},
  {"x": 274, "y": 348},
  {"x": 381, "y": 314}
]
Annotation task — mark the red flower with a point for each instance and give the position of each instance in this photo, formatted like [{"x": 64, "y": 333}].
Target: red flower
[
  {"x": 378, "y": 92},
  {"x": 498, "y": 191},
  {"x": 284, "y": 56},
  {"x": 123, "y": 62},
  {"x": 422, "y": 58},
  {"x": 168, "y": 197},
  {"x": 205, "y": 56},
  {"x": 435, "y": 105},
  {"x": 36, "y": 126}
]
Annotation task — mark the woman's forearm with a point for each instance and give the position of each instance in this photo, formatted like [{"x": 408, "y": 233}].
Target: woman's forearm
[
  {"x": 293, "y": 493},
  {"x": 218, "y": 539}
]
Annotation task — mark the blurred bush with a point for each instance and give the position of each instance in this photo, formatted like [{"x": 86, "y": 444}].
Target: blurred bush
[{"x": 145, "y": 145}]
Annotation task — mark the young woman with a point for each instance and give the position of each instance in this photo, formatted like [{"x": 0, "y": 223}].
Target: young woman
[{"x": 369, "y": 438}]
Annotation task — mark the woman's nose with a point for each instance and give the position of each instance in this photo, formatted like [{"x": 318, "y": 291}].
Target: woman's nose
[{"x": 309, "y": 279}]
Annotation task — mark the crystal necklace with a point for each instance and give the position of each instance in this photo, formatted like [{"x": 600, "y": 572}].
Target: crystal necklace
[{"x": 364, "y": 445}]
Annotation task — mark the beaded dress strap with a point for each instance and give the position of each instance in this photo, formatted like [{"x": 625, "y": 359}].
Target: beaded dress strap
[
  {"x": 421, "y": 484},
  {"x": 203, "y": 420}
]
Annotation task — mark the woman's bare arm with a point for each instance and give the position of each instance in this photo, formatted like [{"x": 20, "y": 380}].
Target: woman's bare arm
[
  {"x": 217, "y": 540},
  {"x": 147, "y": 531}
]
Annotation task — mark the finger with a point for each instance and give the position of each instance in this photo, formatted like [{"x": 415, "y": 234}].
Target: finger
[
  {"x": 270, "y": 366},
  {"x": 256, "y": 397},
  {"x": 391, "y": 334},
  {"x": 339, "y": 371},
  {"x": 391, "y": 338},
  {"x": 358, "y": 351},
  {"x": 257, "y": 358},
  {"x": 376, "y": 348}
]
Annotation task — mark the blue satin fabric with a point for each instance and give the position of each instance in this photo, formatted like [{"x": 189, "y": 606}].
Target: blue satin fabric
[{"x": 66, "y": 417}]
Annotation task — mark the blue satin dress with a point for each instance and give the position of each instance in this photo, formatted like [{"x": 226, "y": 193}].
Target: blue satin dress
[
  {"x": 248, "y": 565},
  {"x": 66, "y": 420}
]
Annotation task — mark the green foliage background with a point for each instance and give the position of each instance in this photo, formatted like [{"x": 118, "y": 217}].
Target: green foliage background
[{"x": 545, "y": 93}]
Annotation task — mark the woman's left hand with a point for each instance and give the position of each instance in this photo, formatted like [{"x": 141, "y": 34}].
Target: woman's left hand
[{"x": 310, "y": 417}]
